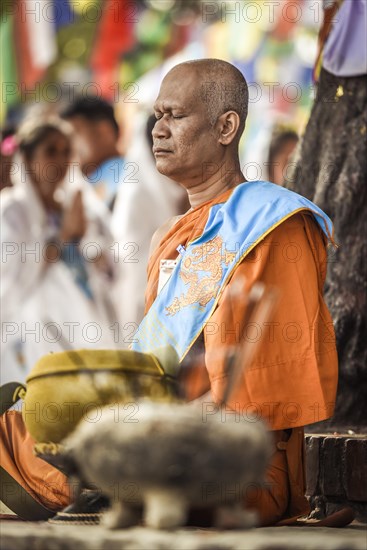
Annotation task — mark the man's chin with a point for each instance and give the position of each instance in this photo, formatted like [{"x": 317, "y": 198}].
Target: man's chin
[{"x": 165, "y": 168}]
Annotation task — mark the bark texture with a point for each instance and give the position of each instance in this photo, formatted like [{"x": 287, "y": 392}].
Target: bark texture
[{"x": 330, "y": 169}]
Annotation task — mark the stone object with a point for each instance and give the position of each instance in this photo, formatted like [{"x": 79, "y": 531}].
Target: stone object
[
  {"x": 167, "y": 458},
  {"x": 336, "y": 473}
]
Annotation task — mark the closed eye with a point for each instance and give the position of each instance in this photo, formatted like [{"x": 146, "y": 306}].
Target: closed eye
[{"x": 158, "y": 116}]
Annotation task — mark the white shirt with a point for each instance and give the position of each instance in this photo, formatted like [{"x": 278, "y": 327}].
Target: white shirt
[{"x": 43, "y": 309}]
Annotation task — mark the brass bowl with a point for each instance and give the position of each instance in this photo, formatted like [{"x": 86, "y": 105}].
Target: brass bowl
[{"x": 65, "y": 387}]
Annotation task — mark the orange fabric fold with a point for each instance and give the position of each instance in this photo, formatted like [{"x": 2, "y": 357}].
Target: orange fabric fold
[
  {"x": 292, "y": 378},
  {"x": 43, "y": 482}
]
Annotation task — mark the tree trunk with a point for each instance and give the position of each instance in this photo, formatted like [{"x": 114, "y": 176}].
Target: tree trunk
[{"x": 331, "y": 169}]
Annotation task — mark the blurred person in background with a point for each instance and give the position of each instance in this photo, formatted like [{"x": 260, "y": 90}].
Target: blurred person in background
[
  {"x": 145, "y": 201},
  {"x": 282, "y": 145},
  {"x": 97, "y": 134},
  {"x": 56, "y": 266}
]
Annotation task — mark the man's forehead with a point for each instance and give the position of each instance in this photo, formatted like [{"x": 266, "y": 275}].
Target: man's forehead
[{"x": 177, "y": 89}]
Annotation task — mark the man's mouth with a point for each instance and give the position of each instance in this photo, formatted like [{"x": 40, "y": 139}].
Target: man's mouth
[{"x": 158, "y": 151}]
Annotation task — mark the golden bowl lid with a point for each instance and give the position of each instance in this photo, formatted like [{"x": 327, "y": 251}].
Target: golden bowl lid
[{"x": 87, "y": 360}]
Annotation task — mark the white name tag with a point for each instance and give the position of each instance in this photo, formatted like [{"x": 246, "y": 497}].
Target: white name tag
[{"x": 166, "y": 268}]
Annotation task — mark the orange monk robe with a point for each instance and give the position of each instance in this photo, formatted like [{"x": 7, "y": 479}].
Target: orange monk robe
[
  {"x": 43, "y": 482},
  {"x": 292, "y": 379}
]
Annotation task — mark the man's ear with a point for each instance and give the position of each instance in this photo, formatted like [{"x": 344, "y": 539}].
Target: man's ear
[{"x": 228, "y": 125}]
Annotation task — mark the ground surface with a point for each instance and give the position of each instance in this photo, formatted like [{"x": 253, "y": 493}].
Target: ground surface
[{"x": 16, "y": 535}]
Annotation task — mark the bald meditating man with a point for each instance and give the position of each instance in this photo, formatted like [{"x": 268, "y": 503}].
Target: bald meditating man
[{"x": 235, "y": 234}]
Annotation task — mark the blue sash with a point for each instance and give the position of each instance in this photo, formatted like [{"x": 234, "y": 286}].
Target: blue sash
[{"x": 233, "y": 229}]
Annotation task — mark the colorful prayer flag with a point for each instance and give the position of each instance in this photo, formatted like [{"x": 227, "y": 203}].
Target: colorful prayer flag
[{"x": 115, "y": 36}]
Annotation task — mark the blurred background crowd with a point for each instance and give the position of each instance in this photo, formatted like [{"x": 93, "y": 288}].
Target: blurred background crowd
[
  {"x": 119, "y": 50},
  {"x": 81, "y": 196}
]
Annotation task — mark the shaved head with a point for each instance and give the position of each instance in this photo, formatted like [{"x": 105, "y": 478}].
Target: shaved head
[
  {"x": 200, "y": 115},
  {"x": 222, "y": 88}
]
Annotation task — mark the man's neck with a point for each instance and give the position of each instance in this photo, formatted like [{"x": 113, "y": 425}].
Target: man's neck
[{"x": 213, "y": 187}]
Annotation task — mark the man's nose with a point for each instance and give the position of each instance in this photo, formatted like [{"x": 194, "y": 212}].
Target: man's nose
[{"x": 161, "y": 129}]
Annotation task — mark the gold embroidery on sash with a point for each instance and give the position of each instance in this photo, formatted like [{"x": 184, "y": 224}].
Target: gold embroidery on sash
[{"x": 207, "y": 258}]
